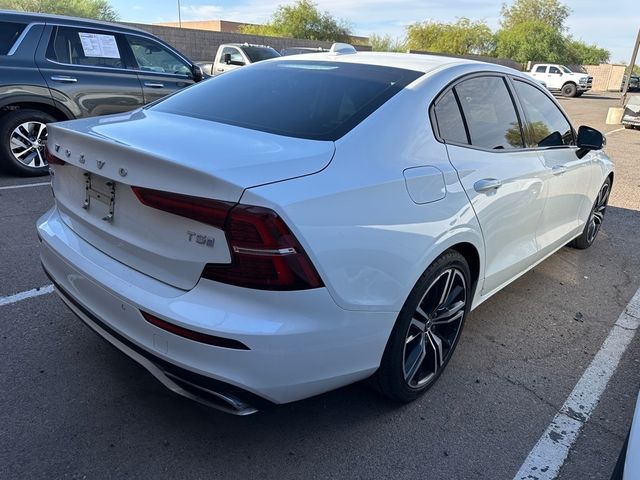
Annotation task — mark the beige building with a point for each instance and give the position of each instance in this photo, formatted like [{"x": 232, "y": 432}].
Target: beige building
[{"x": 232, "y": 27}]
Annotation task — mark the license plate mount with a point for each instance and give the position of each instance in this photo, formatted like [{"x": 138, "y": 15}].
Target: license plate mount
[{"x": 102, "y": 191}]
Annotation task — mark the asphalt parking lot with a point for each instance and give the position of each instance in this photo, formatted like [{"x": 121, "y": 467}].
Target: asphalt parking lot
[{"x": 71, "y": 406}]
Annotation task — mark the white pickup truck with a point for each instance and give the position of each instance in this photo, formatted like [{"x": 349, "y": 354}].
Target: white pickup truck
[
  {"x": 235, "y": 55},
  {"x": 559, "y": 78}
]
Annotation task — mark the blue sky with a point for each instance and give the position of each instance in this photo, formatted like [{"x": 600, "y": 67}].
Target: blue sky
[{"x": 610, "y": 24}]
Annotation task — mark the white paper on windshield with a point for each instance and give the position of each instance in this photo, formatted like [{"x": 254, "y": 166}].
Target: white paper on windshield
[{"x": 99, "y": 45}]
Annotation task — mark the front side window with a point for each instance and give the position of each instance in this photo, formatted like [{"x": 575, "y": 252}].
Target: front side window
[
  {"x": 257, "y": 54},
  {"x": 74, "y": 46},
  {"x": 565, "y": 69},
  {"x": 546, "y": 126},
  {"x": 154, "y": 57},
  {"x": 449, "y": 119},
  {"x": 316, "y": 100},
  {"x": 9, "y": 33},
  {"x": 554, "y": 70},
  {"x": 236, "y": 56},
  {"x": 489, "y": 113},
  {"x": 541, "y": 69}
]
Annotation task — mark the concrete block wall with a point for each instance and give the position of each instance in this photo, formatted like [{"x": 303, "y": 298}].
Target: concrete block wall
[
  {"x": 606, "y": 76},
  {"x": 201, "y": 45}
]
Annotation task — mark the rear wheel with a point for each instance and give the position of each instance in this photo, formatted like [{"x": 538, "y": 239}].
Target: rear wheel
[
  {"x": 596, "y": 217},
  {"x": 569, "y": 90},
  {"x": 427, "y": 330},
  {"x": 23, "y": 137}
]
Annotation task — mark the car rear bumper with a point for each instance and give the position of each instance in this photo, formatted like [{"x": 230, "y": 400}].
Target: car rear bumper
[{"x": 298, "y": 343}]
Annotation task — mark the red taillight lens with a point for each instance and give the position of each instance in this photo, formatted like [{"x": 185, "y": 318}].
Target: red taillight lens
[
  {"x": 265, "y": 254},
  {"x": 52, "y": 159},
  {"x": 211, "y": 212}
]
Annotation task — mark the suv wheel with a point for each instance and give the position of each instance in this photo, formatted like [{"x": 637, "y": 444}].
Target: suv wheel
[
  {"x": 569, "y": 90},
  {"x": 23, "y": 137}
]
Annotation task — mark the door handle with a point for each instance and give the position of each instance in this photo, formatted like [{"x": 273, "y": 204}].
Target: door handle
[
  {"x": 219, "y": 69},
  {"x": 558, "y": 169},
  {"x": 62, "y": 78},
  {"x": 487, "y": 184},
  {"x": 153, "y": 85}
]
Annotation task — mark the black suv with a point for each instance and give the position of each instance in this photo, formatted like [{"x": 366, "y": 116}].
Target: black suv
[{"x": 58, "y": 68}]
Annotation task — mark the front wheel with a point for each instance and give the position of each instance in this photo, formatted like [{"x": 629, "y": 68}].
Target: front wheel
[
  {"x": 569, "y": 90},
  {"x": 596, "y": 217},
  {"x": 427, "y": 329},
  {"x": 23, "y": 137}
]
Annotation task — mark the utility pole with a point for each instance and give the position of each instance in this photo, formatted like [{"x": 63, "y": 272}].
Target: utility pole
[
  {"x": 629, "y": 71},
  {"x": 179, "y": 15}
]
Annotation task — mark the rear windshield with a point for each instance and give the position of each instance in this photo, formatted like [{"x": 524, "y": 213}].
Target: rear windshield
[
  {"x": 9, "y": 33},
  {"x": 257, "y": 54},
  {"x": 305, "y": 99}
]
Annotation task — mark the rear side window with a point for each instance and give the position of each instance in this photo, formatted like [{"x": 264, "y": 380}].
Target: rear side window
[
  {"x": 92, "y": 48},
  {"x": 541, "y": 69},
  {"x": 489, "y": 113},
  {"x": 449, "y": 119},
  {"x": 306, "y": 99},
  {"x": 546, "y": 125},
  {"x": 256, "y": 54},
  {"x": 9, "y": 33}
]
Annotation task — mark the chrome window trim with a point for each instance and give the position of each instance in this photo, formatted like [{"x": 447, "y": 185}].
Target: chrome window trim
[{"x": 21, "y": 38}]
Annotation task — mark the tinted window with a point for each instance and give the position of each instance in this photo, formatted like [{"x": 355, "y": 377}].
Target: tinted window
[
  {"x": 546, "y": 125},
  {"x": 84, "y": 47},
  {"x": 541, "y": 69},
  {"x": 257, "y": 54},
  {"x": 306, "y": 99},
  {"x": 489, "y": 112},
  {"x": 9, "y": 33},
  {"x": 154, "y": 57},
  {"x": 449, "y": 118},
  {"x": 554, "y": 70}
]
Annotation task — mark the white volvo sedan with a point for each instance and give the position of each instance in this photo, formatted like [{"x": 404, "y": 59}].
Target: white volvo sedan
[{"x": 311, "y": 221}]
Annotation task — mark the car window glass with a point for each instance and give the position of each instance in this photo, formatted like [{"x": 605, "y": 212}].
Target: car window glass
[
  {"x": 546, "y": 125},
  {"x": 554, "y": 70},
  {"x": 297, "y": 98},
  {"x": 9, "y": 33},
  {"x": 257, "y": 54},
  {"x": 154, "y": 57},
  {"x": 236, "y": 56},
  {"x": 490, "y": 114},
  {"x": 541, "y": 69},
  {"x": 449, "y": 119},
  {"x": 92, "y": 48}
]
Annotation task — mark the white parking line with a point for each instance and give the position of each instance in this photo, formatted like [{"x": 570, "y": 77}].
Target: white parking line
[
  {"x": 547, "y": 457},
  {"x": 36, "y": 292},
  {"x": 14, "y": 187},
  {"x": 614, "y": 131}
]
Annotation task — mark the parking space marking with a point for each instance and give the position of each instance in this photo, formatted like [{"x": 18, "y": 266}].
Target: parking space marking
[
  {"x": 614, "y": 131},
  {"x": 35, "y": 292},
  {"x": 549, "y": 454},
  {"x": 14, "y": 187}
]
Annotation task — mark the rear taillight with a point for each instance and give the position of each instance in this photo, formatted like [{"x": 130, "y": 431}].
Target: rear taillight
[
  {"x": 52, "y": 159},
  {"x": 265, "y": 254}
]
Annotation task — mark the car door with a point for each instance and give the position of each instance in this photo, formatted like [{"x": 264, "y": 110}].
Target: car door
[
  {"x": 237, "y": 60},
  {"x": 567, "y": 173},
  {"x": 161, "y": 71},
  {"x": 501, "y": 178},
  {"x": 86, "y": 71}
]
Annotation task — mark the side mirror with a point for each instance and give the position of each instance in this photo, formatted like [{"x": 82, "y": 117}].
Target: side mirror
[
  {"x": 590, "y": 138},
  {"x": 197, "y": 72},
  {"x": 226, "y": 58}
]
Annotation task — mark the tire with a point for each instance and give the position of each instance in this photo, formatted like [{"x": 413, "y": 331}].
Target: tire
[
  {"x": 569, "y": 90},
  {"x": 427, "y": 328},
  {"x": 596, "y": 217},
  {"x": 23, "y": 136}
]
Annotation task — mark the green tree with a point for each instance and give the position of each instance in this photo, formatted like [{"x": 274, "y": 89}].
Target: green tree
[
  {"x": 548, "y": 12},
  {"x": 386, "y": 43},
  {"x": 303, "y": 20},
  {"x": 460, "y": 38},
  {"x": 532, "y": 40},
  {"x": 579, "y": 53},
  {"x": 96, "y": 9}
]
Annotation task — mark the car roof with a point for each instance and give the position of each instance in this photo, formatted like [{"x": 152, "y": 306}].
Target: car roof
[
  {"x": 409, "y": 61},
  {"x": 30, "y": 17}
]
